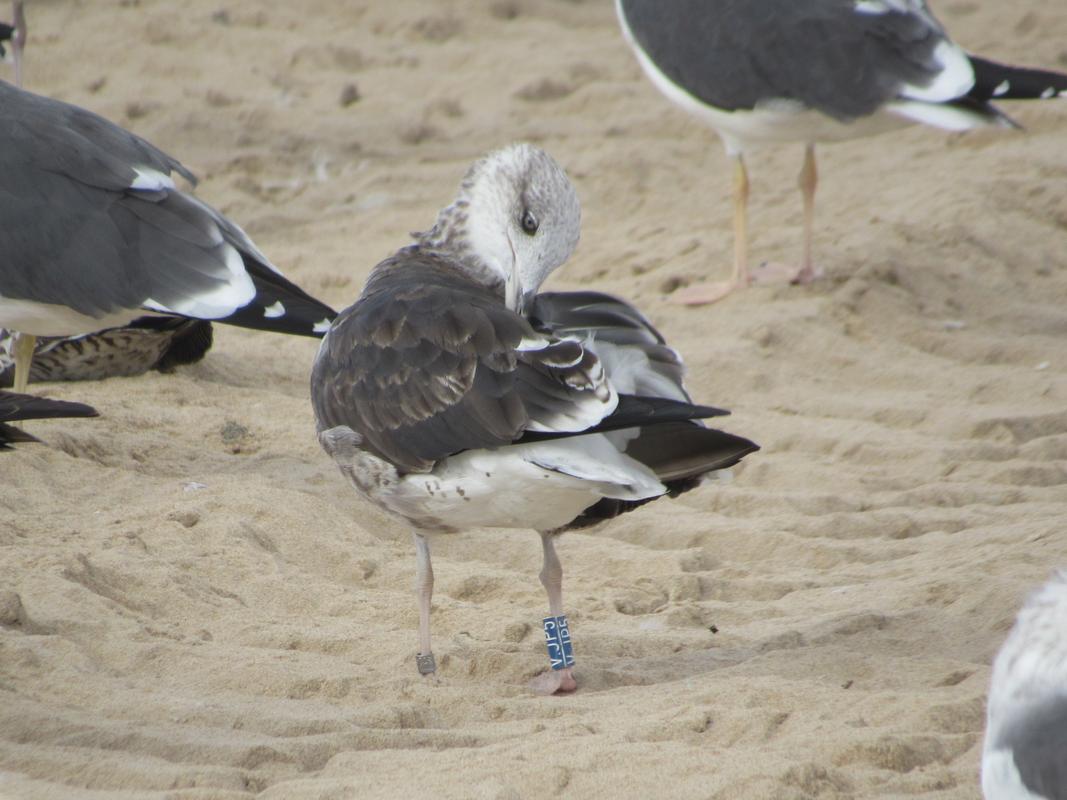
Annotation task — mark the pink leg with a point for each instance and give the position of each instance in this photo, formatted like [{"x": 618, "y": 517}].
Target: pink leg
[
  {"x": 713, "y": 291},
  {"x": 424, "y": 591},
  {"x": 807, "y": 180},
  {"x": 562, "y": 680},
  {"x": 18, "y": 41}
]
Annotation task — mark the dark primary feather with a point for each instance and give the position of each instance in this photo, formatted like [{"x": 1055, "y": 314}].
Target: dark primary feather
[
  {"x": 607, "y": 319},
  {"x": 681, "y": 454},
  {"x": 74, "y": 233},
  {"x": 635, "y": 411},
  {"x": 17, "y": 407},
  {"x": 734, "y": 53},
  {"x": 679, "y": 450},
  {"x": 426, "y": 364},
  {"x": 996, "y": 81}
]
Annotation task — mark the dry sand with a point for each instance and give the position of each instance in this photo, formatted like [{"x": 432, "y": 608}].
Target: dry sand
[{"x": 193, "y": 604}]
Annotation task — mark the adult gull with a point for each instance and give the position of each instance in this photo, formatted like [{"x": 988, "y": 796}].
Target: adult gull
[
  {"x": 96, "y": 233},
  {"x": 775, "y": 71},
  {"x": 1025, "y": 752},
  {"x": 453, "y": 395}
]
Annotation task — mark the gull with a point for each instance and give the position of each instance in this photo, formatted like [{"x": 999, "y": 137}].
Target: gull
[
  {"x": 1025, "y": 752},
  {"x": 809, "y": 71},
  {"x": 455, "y": 396},
  {"x": 95, "y": 233}
]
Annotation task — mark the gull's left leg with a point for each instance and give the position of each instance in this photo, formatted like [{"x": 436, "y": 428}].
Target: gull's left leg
[
  {"x": 23, "y": 352},
  {"x": 710, "y": 292},
  {"x": 18, "y": 41},
  {"x": 424, "y": 591},
  {"x": 561, "y": 679},
  {"x": 807, "y": 180}
]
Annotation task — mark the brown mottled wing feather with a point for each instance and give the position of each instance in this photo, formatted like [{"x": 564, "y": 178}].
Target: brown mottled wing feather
[
  {"x": 429, "y": 363},
  {"x": 609, "y": 320}
]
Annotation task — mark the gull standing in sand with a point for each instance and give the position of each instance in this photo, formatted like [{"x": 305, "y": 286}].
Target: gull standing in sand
[
  {"x": 95, "y": 234},
  {"x": 1025, "y": 753},
  {"x": 454, "y": 396},
  {"x": 776, "y": 71}
]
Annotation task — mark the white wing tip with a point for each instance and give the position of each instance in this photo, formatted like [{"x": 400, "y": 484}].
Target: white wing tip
[
  {"x": 149, "y": 179},
  {"x": 274, "y": 310}
]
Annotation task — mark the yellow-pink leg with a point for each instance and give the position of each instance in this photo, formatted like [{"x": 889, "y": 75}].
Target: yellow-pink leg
[
  {"x": 23, "y": 352},
  {"x": 18, "y": 41},
  {"x": 554, "y": 680},
  {"x": 712, "y": 291},
  {"x": 424, "y": 659},
  {"x": 808, "y": 180}
]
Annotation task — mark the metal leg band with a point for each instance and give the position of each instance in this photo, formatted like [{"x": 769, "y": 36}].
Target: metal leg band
[{"x": 426, "y": 663}]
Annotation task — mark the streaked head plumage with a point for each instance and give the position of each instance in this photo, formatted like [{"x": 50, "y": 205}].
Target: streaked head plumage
[{"x": 515, "y": 219}]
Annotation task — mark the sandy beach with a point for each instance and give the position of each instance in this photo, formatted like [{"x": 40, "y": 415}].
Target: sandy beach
[{"x": 195, "y": 604}]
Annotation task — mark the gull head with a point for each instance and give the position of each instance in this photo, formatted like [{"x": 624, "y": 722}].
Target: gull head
[{"x": 515, "y": 219}]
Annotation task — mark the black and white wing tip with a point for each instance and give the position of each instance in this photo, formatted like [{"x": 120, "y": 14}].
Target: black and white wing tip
[
  {"x": 143, "y": 244},
  {"x": 996, "y": 81},
  {"x": 1026, "y": 728},
  {"x": 18, "y": 407},
  {"x": 847, "y": 61},
  {"x": 663, "y": 431},
  {"x": 253, "y": 292}
]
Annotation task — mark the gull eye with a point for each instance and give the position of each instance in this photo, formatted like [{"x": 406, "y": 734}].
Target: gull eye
[{"x": 529, "y": 222}]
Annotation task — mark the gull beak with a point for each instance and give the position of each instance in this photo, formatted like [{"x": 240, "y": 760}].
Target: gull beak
[{"x": 513, "y": 294}]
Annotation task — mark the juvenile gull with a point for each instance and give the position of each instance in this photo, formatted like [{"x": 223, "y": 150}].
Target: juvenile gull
[
  {"x": 157, "y": 342},
  {"x": 18, "y": 407},
  {"x": 454, "y": 396},
  {"x": 95, "y": 234},
  {"x": 774, "y": 71},
  {"x": 1025, "y": 753}
]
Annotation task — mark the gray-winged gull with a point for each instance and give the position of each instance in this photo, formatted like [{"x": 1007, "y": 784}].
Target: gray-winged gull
[
  {"x": 454, "y": 396},
  {"x": 18, "y": 407},
  {"x": 773, "y": 71},
  {"x": 1025, "y": 752},
  {"x": 95, "y": 234}
]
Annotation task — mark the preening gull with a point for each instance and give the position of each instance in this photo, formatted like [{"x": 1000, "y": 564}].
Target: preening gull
[
  {"x": 17, "y": 407},
  {"x": 96, "y": 233},
  {"x": 1025, "y": 753},
  {"x": 454, "y": 396},
  {"x": 774, "y": 71}
]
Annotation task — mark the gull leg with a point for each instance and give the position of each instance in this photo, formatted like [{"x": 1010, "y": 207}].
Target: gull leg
[
  {"x": 18, "y": 41},
  {"x": 424, "y": 591},
  {"x": 704, "y": 293},
  {"x": 23, "y": 351},
  {"x": 807, "y": 180},
  {"x": 740, "y": 277},
  {"x": 561, "y": 680}
]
